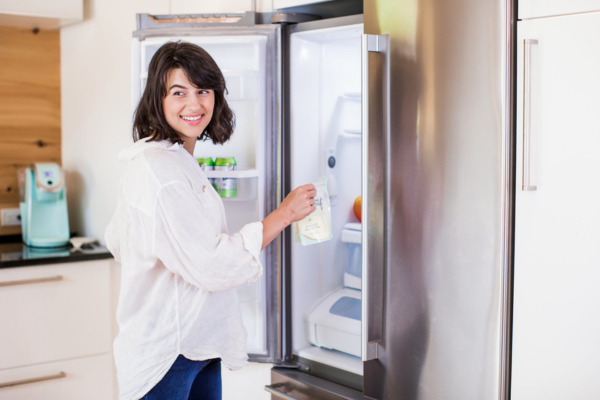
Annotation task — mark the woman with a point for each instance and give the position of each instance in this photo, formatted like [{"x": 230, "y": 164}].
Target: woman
[{"x": 178, "y": 315}]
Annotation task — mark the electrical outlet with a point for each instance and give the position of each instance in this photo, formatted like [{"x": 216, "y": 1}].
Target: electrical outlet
[{"x": 11, "y": 217}]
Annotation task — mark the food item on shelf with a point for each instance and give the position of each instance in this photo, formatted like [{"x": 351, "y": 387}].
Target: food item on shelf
[
  {"x": 316, "y": 227},
  {"x": 358, "y": 207},
  {"x": 226, "y": 187},
  {"x": 207, "y": 164}
]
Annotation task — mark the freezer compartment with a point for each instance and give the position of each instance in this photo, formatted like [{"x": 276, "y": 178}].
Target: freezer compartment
[{"x": 294, "y": 384}]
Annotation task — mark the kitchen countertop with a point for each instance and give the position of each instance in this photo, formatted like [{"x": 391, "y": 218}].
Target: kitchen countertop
[{"x": 19, "y": 255}]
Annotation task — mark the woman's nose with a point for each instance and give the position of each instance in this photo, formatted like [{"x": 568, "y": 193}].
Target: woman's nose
[{"x": 194, "y": 105}]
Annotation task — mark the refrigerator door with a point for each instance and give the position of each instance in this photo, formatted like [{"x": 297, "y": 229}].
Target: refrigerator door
[
  {"x": 248, "y": 56},
  {"x": 438, "y": 149},
  {"x": 323, "y": 128}
]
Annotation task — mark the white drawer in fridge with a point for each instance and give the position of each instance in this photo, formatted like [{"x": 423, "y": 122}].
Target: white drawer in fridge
[
  {"x": 54, "y": 312},
  {"x": 87, "y": 378}
]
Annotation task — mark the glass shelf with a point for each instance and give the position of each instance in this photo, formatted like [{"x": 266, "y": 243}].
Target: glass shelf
[
  {"x": 238, "y": 174},
  {"x": 355, "y": 96}
]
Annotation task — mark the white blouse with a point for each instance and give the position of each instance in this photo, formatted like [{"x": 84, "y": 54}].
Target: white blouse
[{"x": 179, "y": 268}]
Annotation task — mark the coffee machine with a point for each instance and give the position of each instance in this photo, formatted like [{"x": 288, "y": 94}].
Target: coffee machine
[{"x": 44, "y": 216}]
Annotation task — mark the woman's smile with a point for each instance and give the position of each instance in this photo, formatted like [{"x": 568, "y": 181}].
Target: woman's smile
[{"x": 192, "y": 119}]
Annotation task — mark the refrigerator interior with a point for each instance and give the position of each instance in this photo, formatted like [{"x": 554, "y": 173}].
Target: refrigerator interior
[
  {"x": 242, "y": 61},
  {"x": 325, "y": 106}
]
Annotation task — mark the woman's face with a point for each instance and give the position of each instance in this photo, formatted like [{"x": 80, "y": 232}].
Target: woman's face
[{"x": 188, "y": 109}]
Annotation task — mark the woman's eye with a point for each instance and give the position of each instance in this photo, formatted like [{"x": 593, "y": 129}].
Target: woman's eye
[
  {"x": 178, "y": 94},
  {"x": 203, "y": 91}
]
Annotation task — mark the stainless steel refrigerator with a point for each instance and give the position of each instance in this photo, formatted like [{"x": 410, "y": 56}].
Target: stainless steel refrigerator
[{"x": 409, "y": 105}]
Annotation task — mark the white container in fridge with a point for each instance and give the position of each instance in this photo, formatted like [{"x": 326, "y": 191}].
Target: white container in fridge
[
  {"x": 334, "y": 321},
  {"x": 351, "y": 236}
]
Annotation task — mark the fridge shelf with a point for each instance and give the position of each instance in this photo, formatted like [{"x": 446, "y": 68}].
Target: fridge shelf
[
  {"x": 240, "y": 173},
  {"x": 352, "y": 132},
  {"x": 354, "y": 96},
  {"x": 238, "y": 199}
]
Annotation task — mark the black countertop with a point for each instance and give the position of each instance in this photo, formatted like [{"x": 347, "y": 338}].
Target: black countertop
[{"x": 19, "y": 255}]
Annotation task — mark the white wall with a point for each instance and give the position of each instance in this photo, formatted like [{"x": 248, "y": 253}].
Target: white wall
[{"x": 96, "y": 122}]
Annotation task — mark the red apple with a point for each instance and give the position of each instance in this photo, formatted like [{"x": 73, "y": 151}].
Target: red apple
[{"x": 358, "y": 207}]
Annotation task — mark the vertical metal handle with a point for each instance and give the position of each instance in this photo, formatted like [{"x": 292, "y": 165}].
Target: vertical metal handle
[
  {"x": 373, "y": 175},
  {"x": 527, "y": 186}
]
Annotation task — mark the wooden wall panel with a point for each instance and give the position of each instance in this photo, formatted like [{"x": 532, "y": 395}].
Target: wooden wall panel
[{"x": 29, "y": 106}]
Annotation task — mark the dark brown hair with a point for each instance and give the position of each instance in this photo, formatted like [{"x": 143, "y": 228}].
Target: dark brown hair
[{"x": 202, "y": 71}]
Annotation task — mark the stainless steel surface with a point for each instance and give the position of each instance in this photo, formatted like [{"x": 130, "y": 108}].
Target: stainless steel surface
[
  {"x": 303, "y": 386},
  {"x": 28, "y": 281},
  {"x": 527, "y": 186},
  {"x": 274, "y": 390},
  {"x": 448, "y": 259},
  {"x": 509, "y": 198},
  {"x": 33, "y": 380},
  {"x": 374, "y": 134}
]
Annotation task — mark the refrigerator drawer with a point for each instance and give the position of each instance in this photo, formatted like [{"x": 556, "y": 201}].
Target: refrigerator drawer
[{"x": 291, "y": 384}]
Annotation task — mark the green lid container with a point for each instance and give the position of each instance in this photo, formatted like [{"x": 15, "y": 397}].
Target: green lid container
[
  {"x": 206, "y": 162},
  {"x": 226, "y": 187},
  {"x": 225, "y": 161}
]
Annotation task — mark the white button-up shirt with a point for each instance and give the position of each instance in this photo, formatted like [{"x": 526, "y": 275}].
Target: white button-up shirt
[{"x": 179, "y": 268}]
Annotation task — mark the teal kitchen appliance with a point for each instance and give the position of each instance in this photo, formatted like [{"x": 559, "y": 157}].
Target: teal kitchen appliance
[{"x": 44, "y": 217}]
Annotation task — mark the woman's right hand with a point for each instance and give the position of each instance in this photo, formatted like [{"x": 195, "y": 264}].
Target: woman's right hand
[{"x": 299, "y": 203}]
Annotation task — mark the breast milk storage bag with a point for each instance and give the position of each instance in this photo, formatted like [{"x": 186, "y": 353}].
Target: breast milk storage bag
[{"x": 316, "y": 227}]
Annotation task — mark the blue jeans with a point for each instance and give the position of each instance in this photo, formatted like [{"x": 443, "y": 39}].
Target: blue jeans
[{"x": 189, "y": 380}]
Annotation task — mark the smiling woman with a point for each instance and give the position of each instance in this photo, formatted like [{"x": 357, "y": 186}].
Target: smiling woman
[
  {"x": 192, "y": 88},
  {"x": 178, "y": 313}
]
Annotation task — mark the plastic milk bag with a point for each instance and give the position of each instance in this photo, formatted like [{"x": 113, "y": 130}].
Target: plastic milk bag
[{"x": 316, "y": 227}]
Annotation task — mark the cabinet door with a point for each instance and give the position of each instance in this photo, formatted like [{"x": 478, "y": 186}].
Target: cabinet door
[
  {"x": 556, "y": 346},
  {"x": 54, "y": 312},
  {"x": 87, "y": 378},
  {"x": 546, "y": 8}
]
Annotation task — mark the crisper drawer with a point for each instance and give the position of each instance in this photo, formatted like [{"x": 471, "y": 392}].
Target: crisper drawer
[
  {"x": 54, "y": 312},
  {"x": 88, "y": 378},
  {"x": 291, "y": 384}
]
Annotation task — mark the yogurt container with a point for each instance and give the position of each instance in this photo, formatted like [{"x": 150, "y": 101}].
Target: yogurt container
[
  {"x": 226, "y": 187},
  {"x": 207, "y": 164}
]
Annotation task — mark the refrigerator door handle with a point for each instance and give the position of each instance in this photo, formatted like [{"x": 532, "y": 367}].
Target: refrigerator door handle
[
  {"x": 374, "y": 190},
  {"x": 273, "y": 390},
  {"x": 527, "y": 186}
]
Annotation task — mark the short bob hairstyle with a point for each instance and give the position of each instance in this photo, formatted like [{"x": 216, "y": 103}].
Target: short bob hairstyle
[{"x": 203, "y": 72}]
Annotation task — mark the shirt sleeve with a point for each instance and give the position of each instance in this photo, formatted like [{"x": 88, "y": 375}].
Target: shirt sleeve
[{"x": 189, "y": 244}]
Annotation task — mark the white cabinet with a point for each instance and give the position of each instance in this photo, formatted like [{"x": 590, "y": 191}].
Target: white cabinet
[
  {"x": 40, "y": 13},
  {"x": 545, "y": 8},
  {"x": 87, "y": 378},
  {"x": 556, "y": 351},
  {"x": 56, "y": 318}
]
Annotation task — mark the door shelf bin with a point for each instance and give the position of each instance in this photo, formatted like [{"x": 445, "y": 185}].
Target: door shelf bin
[{"x": 247, "y": 183}]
